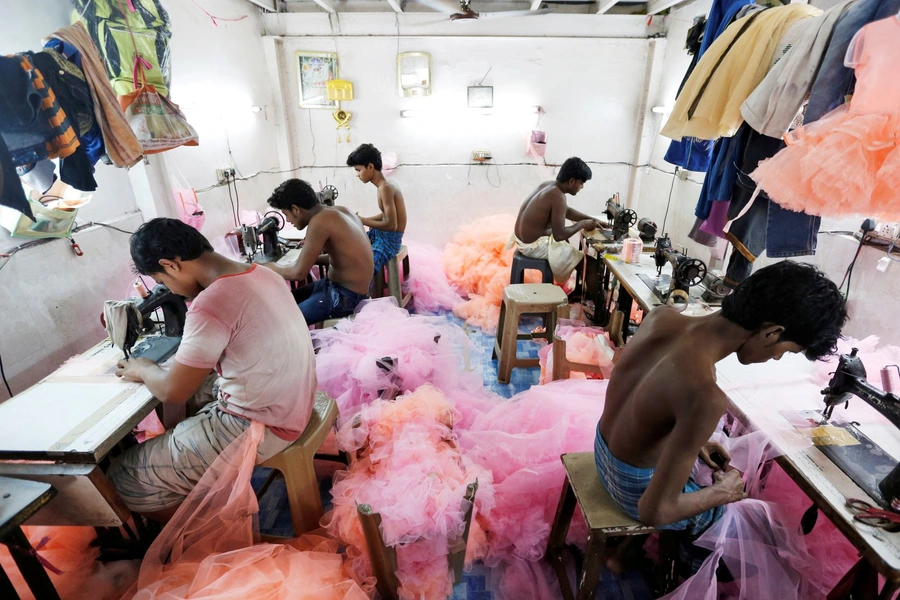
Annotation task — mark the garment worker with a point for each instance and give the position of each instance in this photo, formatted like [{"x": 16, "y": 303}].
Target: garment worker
[
  {"x": 663, "y": 402},
  {"x": 336, "y": 238},
  {"x": 387, "y": 227},
  {"x": 541, "y": 230},
  {"x": 244, "y": 325}
]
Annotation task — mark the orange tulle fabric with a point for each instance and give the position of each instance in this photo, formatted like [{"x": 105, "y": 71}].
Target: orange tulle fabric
[
  {"x": 478, "y": 262},
  {"x": 848, "y": 162},
  {"x": 407, "y": 466},
  {"x": 207, "y": 550}
]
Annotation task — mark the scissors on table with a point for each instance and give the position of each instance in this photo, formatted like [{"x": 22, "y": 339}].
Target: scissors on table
[{"x": 870, "y": 515}]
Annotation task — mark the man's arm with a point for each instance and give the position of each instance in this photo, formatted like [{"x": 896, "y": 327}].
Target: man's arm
[
  {"x": 174, "y": 385},
  {"x": 664, "y": 502},
  {"x": 387, "y": 219},
  {"x": 574, "y": 215},
  {"x": 558, "y": 211},
  {"x": 315, "y": 240}
]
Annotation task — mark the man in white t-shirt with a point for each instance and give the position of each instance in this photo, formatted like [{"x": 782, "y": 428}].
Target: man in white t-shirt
[{"x": 244, "y": 323}]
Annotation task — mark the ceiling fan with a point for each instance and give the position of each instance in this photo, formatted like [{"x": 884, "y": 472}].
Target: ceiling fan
[{"x": 465, "y": 13}]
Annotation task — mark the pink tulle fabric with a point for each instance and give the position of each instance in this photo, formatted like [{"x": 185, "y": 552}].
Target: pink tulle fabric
[
  {"x": 207, "y": 549},
  {"x": 848, "y": 162},
  {"x": 69, "y": 551},
  {"x": 427, "y": 281},
  {"x": 409, "y": 469},
  {"x": 478, "y": 262},
  {"x": 351, "y": 365},
  {"x": 584, "y": 345}
]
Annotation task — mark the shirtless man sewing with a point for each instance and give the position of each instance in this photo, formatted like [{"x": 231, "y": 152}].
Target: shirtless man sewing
[
  {"x": 387, "y": 227},
  {"x": 663, "y": 403},
  {"x": 541, "y": 230},
  {"x": 348, "y": 253}
]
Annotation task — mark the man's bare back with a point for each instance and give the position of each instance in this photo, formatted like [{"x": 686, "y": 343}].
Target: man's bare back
[
  {"x": 389, "y": 192},
  {"x": 348, "y": 247},
  {"x": 545, "y": 211},
  {"x": 661, "y": 375}
]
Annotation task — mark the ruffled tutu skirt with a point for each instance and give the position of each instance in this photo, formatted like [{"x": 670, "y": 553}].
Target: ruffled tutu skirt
[{"x": 845, "y": 164}]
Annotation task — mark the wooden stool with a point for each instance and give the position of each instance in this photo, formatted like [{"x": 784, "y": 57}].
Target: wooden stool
[
  {"x": 563, "y": 366},
  {"x": 521, "y": 262},
  {"x": 295, "y": 463},
  {"x": 19, "y": 500},
  {"x": 604, "y": 519},
  {"x": 393, "y": 282},
  {"x": 384, "y": 558},
  {"x": 544, "y": 299}
]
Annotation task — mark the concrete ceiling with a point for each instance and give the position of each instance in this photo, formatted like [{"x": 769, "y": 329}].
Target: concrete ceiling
[{"x": 650, "y": 7}]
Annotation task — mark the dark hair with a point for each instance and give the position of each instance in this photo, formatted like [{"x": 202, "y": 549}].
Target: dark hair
[
  {"x": 796, "y": 296},
  {"x": 365, "y": 155},
  {"x": 165, "y": 238},
  {"x": 293, "y": 192},
  {"x": 574, "y": 168}
]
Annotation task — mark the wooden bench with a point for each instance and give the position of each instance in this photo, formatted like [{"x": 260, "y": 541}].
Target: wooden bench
[{"x": 19, "y": 500}]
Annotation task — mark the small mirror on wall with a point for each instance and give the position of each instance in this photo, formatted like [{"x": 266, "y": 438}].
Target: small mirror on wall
[{"x": 414, "y": 74}]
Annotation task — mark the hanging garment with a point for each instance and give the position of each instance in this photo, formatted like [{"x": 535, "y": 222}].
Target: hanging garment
[
  {"x": 774, "y": 104},
  {"x": 694, "y": 154},
  {"x": 759, "y": 224},
  {"x": 122, "y": 31},
  {"x": 24, "y": 131},
  {"x": 11, "y": 192},
  {"x": 76, "y": 169},
  {"x": 69, "y": 60},
  {"x": 709, "y": 106},
  {"x": 848, "y": 162},
  {"x": 122, "y": 145},
  {"x": 835, "y": 81}
]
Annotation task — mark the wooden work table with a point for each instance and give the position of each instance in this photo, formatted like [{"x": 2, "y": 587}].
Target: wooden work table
[
  {"x": 59, "y": 431},
  {"x": 762, "y": 395}
]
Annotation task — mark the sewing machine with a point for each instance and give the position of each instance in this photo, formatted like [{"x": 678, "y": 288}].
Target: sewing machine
[
  {"x": 647, "y": 230},
  {"x": 686, "y": 272},
  {"x": 260, "y": 243},
  {"x": 327, "y": 195},
  {"x": 158, "y": 347},
  {"x": 849, "y": 379},
  {"x": 622, "y": 219}
]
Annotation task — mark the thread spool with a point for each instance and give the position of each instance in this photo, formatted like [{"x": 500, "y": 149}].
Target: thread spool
[
  {"x": 140, "y": 288},
  {"x": 631, "y": 251},
  {"x": 890, "y": 379}
]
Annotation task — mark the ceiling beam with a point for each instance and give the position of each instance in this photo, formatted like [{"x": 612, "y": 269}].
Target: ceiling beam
[
  {"x": 267, "y": 5},
  {"x": 395, "y": 4},
  {"x": 654, "y": 7},
  {"x": 326, "y": 6},
  {"x": 605, "y": 5},
  {"x": 536, "y": 4}
]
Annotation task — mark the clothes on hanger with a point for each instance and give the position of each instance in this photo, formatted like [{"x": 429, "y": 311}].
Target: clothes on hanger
[
  {"x": 848, "y": 162},
  {"x": 775, "y": 103},
  {"x": 693, "y": 154},
  {"x": 709, "y": 106}
]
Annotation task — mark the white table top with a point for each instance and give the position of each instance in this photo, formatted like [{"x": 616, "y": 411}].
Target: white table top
[
  {"x": 76, "y": 414},
  {"x": 759, "y": 394},
  {"x": 628, "y": 276}
]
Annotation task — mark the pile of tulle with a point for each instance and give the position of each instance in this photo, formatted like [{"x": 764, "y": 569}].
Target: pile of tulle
[
  {"x": 71, "y": 562},
  {"x": 408, "y": 468},
  {"x": 431, "y": 292},
  {"x": 385, "y": 351},
  {"x": 584, "y": 345},
  {"x": 478, "y": 262},
  {"x": 207, "y": 550}
]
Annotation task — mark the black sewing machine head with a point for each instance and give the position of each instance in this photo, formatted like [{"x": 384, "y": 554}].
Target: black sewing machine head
[
  {"x": 260, "y": 243},
  {"x": 647, "y": 230},
  {"x": 173, "y": 306},
  {"x": 686, "y": 272},
  {"x": 849, "y": 379},
  {"x": 621, "y": 218}
]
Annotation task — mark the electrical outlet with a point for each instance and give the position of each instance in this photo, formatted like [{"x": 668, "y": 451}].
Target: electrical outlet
[
  {"x": 224, "y": 174},
  {"x": 886, "y": 230},
  {"x": 481, "y": 155}
]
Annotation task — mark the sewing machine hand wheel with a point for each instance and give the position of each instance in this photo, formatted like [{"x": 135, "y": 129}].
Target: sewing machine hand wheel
[
  {"x": 629, "y": 216},
  {"x": 329, "y": 195},
  {"x": 277, "y": 216},
  {"x": 692, "y": 271}
]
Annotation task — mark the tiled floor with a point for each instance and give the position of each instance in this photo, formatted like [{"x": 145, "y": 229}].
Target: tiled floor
[{"x": 275, "y": 519}]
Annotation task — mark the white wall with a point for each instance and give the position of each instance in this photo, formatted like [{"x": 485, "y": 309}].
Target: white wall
[
  {"x": 50, "y": 300},
  {"x": 874, "y": 298},
  {"x": 590, "y": 87}
]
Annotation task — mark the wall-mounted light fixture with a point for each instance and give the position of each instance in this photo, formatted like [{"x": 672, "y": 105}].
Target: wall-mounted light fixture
[{"x": 443, "y": 114}]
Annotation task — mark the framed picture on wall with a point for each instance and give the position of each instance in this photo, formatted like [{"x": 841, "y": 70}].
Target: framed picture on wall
[
  {"x": 414, "y": 74},
  {"x": 314, "y": 71}
]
